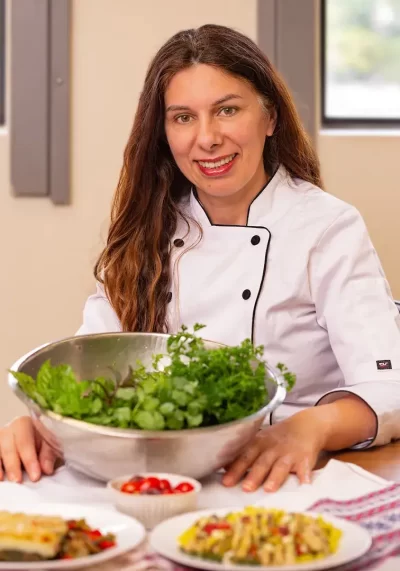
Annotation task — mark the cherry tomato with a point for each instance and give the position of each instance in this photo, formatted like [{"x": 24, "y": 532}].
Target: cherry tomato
[
  {"x": 130, "y": 487},
  {"x": 167, "y": 492},
  {"x": 165, "y": 485},
  {"x": 148, "y": 483},
  {"x": 183, "y": 488}
]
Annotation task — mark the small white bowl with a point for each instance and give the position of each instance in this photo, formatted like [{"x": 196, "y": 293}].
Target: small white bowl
[{"x": 150, "y": 510}]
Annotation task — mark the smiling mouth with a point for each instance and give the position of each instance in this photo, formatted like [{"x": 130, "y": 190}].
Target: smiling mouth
[
  {"x": 219, "y": 162},
  {"x": 217, "y": 167}
]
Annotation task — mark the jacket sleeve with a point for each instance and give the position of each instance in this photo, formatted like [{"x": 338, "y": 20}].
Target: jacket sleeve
[
  {"x": 98, "y": 314},
  {"x": 355, "y": 306}
]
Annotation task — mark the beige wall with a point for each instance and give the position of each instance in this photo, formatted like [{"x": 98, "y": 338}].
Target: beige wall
[
  {"x": 47, "y": 252},
  {"x": 364, "y": 170}
]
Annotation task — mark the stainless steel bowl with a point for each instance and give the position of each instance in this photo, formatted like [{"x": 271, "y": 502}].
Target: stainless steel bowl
[{"x": 105, "y": 453}]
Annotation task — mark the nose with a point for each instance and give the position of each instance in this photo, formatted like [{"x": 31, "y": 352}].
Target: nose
[{"x": 209, "y": 134}]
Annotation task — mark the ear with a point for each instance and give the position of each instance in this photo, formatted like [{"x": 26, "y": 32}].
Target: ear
[{"x": 271, "y": 122}]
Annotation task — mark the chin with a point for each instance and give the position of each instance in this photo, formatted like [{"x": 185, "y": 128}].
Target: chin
[{"x": 219, "y": 190}]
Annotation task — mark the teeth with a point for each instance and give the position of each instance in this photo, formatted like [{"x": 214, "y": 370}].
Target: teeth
[{"x": 210, "y": 165}]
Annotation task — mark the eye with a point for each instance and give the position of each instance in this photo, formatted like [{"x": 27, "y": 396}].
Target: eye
[
  {"x": 183, "y": 119},
  {"x": 228, "y": 111}
]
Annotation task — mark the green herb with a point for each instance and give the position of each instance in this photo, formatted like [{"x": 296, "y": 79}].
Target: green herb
[{"x": 198, "y": 387}]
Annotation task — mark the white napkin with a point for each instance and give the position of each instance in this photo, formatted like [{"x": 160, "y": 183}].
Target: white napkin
[{"x": 338, "y": 481}]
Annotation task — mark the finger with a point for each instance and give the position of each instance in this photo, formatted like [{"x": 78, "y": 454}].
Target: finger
[
  {"x": 303, "y": 470},
  {"x": 260, "y": 470},
  {"x": 10, "y": 457},
  {"x": 240, "y": 466},
  {"x": 25, "y": 441},
  {"x": 279, "y": 473},
  {"x": 47, "y": 458}
]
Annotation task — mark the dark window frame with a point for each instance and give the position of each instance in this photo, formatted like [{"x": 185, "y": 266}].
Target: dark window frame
[
  {"x": 2, "y": 62},
  {"x": 343, "y": 122}
]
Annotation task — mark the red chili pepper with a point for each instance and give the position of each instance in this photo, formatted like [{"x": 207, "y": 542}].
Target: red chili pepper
[
  {"x": 300, "y": 550},
  {"x": 66, "y": 556},
  {"x": 210, "y": 527},
  {"x": 94, "y": 533},
  {"x": 106, "y": 544},
  {"x": 253, "y": 550}
]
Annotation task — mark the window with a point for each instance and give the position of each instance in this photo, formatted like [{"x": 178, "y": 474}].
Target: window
[
  {"x": 2, "y": 61},
  {"x": 360, "y": 61}
]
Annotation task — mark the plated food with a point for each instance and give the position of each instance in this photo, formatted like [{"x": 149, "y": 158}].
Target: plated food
[
  {"x": 219, "y": 540},
  {"x": 191, "y": 386},
  {"x": 40, "y": 536},
  {"x": 259, "y": 536},
  {"x": 31, "y": 537}
]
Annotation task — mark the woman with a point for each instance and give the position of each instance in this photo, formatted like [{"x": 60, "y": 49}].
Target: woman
[{"x": 219, "y": 218}]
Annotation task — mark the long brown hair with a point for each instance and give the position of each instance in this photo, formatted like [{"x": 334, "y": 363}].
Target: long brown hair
[{"x": 134, "y": 266}]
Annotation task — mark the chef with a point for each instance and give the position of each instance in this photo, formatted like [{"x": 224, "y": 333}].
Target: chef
[{"x": 219, "y": 218}]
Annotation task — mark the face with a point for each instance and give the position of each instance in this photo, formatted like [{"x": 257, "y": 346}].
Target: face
[{"x": 216, "y": 128}]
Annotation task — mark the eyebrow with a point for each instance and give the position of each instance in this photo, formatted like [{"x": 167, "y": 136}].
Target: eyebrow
[{"x": 217, "y": 102}]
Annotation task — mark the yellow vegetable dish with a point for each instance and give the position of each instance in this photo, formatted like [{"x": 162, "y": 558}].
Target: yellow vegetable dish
[{"x": 259, "y": 536}]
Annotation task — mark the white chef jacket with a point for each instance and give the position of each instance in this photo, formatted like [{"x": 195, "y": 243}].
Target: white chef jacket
[{"x": 303, "y": 279}]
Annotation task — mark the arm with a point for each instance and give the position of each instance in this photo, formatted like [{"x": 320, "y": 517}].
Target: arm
[
  {"x": 98, "y": 315},
  {"x": 354, "y": 304},
  {"x": 342, "y": 423}
]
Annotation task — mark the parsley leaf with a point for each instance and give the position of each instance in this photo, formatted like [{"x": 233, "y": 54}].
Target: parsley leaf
[{"x": 198, "y": 387}]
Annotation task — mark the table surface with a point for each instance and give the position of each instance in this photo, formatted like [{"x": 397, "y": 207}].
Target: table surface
[{"x": 384, "y": 461}]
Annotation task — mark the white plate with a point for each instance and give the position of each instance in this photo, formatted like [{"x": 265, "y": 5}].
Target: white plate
[
  {"x": 129, "y": 533},
  {"x": 355, "y": 542}
]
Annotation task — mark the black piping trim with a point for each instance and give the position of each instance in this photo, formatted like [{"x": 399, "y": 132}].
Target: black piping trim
[
  {"x": 263, "y": 272},
  {"x": 247, "y": 226},
  {"x": 248, "y": 209},
  {"x": 261, "y": 284}
]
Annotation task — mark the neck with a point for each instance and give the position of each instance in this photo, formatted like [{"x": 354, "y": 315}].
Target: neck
[{"x": 232, "y": 210}]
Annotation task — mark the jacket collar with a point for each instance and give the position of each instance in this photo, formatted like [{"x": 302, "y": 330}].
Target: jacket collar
[{"x": 269, "y": 205}]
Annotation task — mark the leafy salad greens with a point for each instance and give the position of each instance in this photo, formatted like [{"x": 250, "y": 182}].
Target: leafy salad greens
[{"x": 198, "y": 387}]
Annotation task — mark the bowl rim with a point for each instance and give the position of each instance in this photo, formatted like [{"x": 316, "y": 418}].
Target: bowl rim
[
  {"x": 112, "y": 484},
  {"x": 276, "y": 400}
]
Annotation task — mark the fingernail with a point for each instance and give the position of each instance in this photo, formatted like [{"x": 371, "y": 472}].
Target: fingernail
[
  {"x": 307, "y": 479},
  {"x": 269, "y": 486},
  {"x": 48, "y": 466},
  {"x": 35, "y": 473},
  {"x": 13, "y": 478},
  {"x": 248, "y": 487}
]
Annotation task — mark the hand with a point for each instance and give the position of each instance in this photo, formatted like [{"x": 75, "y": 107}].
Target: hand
[
  {"x": 289, "y": 446},
  {"x": 21, "y": 446}
]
